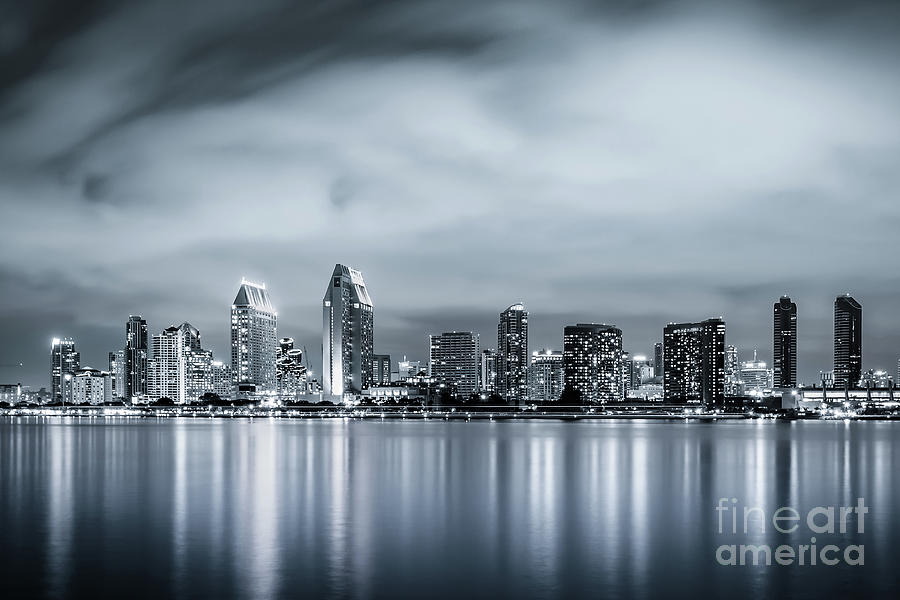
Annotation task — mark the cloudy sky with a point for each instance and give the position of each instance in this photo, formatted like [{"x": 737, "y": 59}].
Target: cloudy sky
[{"x": 628, "y": 162}]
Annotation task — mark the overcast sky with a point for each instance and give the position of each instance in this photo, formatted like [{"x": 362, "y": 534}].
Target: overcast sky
[{"x": 626, "y": 162}]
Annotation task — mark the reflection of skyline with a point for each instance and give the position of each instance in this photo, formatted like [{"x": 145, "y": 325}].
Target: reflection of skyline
[{"x": 352, "y": 507}]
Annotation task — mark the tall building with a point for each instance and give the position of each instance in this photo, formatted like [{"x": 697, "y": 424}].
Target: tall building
[
  {"x": 117, "y": 373},
  {"x": 64, "y": 360},
  {"x": 512, "y": 355},
  {"x": 626, "y": 373},
  {"x": 546, "y": 376},
  {"x": 732, "y": 371},
  {"x": 381, "y": 369},
  {"x": 135, "y": 357},
  {"x": 694, "y": 362},
  {"x": 348, "y": 337},
  {"x": 592, "y": 362},
  {"x": 755, "y": 377},
  {"x": 487, "y": 375},
  {"x": 640, "y": 371},
  {"x": 90, "y": 386},
  {"x": 220, "y": 379},
  {"x": 847, "y": 342},
  {"x": 784, "y": 351},
  {"x": 290, "y": 371},
  {"x": 658, "y": 359},
  {"x": 454, "y": 359},
  {"x": 179, "y": 369},
  {"x": 254, "y": 341}
]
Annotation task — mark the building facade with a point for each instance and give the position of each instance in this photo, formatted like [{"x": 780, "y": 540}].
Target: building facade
[
  {"x": 381, "y": 369},
  {"x": 512, "y": 355},
  {"x": 546, "y": 376},
  {"x": 847, "y": 341},
  {"x": 254, "y": 339},
  {"x": 136, "y": 354},
  {"x": 291, "y": 372},
  {"x": 348, "y": 333},
  {"x": 694, "y": 362},
  {"x": 454, "y": 359},
  {"x": 487, "y": 374},
  {"x": 592, "y": 362},
  {"x": 784, "y": 349},
  {"x": 117, "y": 372},
  {"x": 64, "y": 360},
  {"x": 90, "y": 386}
]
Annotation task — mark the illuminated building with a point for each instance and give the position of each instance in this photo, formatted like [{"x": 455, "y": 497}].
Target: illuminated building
[
  {"x": 135, "y": 357},
  {"x": 290, "y": 371},
  {"x": 755, "y": 377},
  {"x": 487, "y": 375},
  {"x": 658, "y": 359},
  {"x": 592, "y": 362},
  {"x": 381, "y": 369},
  {"x": 117, "y": 373},
  {"x": 847, "y": 341},
  {"x": 407, "y": 369},
  {"x": 876, "y": 379},
  {"x": 512, "y": 355},
  {"x": 179, "y": 369},
  {"x": 348, "y": 337},
  {"x": 694, "y": 362},
  {"x": 785, "y": 343},
  {"x": 64, "y": 360},
  {"x": 732, "y": 372},
  {"x": 220, "y": 379},
  {"x": 640, "y": 371},
  {"x": 454, "y": 359},
  {"x": 90, "y": 386},
  {"x": 254, "y": 342},
  {"x": 546, "y": 376}
]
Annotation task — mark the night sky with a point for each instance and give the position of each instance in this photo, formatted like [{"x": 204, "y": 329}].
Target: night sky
[{"x": 625, "y": 162}]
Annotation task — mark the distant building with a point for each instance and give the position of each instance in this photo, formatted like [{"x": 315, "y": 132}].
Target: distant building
[
  {"x": 117, "y": 373},
  {"x": 487, "y": 375},
  {"x": 784, "y": 351},
  {"x": 90, "y": 386},
  {"x": 658, "y": 359},
  {"x": 640, "y": 371},
  {"x": 381, "y": 369},
  {"x": 348, "y": 336},
  {"x": 592, "y": 362},
  {"x": 876, "y": 379},
  {"x": 694, "y": 362},
  {"x": 254, "y": 341},
  {"x": 136, "y": 354},
  {"x": 512, "y": 355},
  {"x": 454, "y": 359},
  {"x": 407, "y": 369},
  {"x": 756, "y": 378},
  {"x": 220, "y": 379},
  {"x": 626, "y": 373},
  {"x": 847, "y": 341},
  {"x": 546, "y": 376},
  {"x": 290, "y": 371},
  {"x": 64, "y": 360},
  {"x": 732, "y": 371},
  {"x": 179, "y": 368}
]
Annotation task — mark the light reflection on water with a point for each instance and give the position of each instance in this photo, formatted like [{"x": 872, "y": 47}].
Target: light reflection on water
[{"x": 273, "y": 508}]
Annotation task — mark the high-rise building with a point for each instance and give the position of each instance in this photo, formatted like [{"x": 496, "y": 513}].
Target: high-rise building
[
  {"x": 640, "y": 371},
  {"x": 220, "y": 378},
  {"x": 755, "y": 377},
  {"x": 254, "y": 341},
  {"x": 784, "y": 350},
  {"x": 64, "y": 360},
  {"x": 135, "y": 357},
  {"x": 291, "y": 373},
  {"x": 592, "y": 361},
  {"x": 117, "y": 373},
  {"x": 546, "y": 376},
  {"x": 179, "y": 369},
  {"x": 487, "y": 375},
  {"x": 381, "y": 369},
  {"x": 847, "y": 342},
  {"x": 90, "y": 386},
  {"x": 694, "y": 362},
  {"x": 512, "y": 355},
  {"x": 348, "y": 336},
  {"x": 732, "y": 371},
  {"x": 658, "y": 359},
  {"x": 454, "y": 359}
]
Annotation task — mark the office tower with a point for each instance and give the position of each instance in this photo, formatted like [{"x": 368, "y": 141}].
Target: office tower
[
  {"x": 755, "y": 377},
  {"x": 117, "y": 373},
  {"x": 64, "y": 360},
  {"x": 290, "y": 371},
  {"x": 592, "y": 361},
  {"x": 847, "y": 342},
  {"x": 254, "y": 342},
  {"x": 626, "y": 373},
  {"x": 454, "y": 359},
  {"x": 898, "y": 370},
  {"x": 407, "y": 369},
  {"x": 512, "y": 354},
  {"x": 732, "y": 371},
  {"x": 694, "y": 362},
  {"x": 487, "y": 375},
  {"x": 135, "y": 357},
  {"x": 179, "y": 368},
  {"x": 381, "y": 369},
  {"x": 546, "y": 376},
  {"x": 784, "y": 350},
  {"x": 658, "y": 359},
  {"x": 348, "y": 337},
  {"x": 220, "y": 379},
  {"x": 90, "y": 386},
  {"x": 640, "y": 371}
]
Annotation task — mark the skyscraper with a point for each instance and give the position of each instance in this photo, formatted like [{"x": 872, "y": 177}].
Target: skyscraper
[
  {"x": 117, "y": 373},
  {"x": 64, "y": 360},
  {"x": 784, "y": 351},
  {"x": 694, "y": 362},
  {"x": 381, "y": 369},
  {"x": 348, "y": 337},
  {"x": 179, "y": 369},
  {"x": 488, "y": 373},
  {"x": 135, "y": 357},
  {"x": 254, "y": 339},
  {"x": 592, "y": 361},
  {"x": 546, "y": 376},
  {"x": 732, "y": 371},
  {"x": 512, "y": 354},
  {"x": 291, "y": 372},
  {"x": 847, "y": 342},
  {"x": 658, "y": 359},
  {"x": 453, "y": 359}
]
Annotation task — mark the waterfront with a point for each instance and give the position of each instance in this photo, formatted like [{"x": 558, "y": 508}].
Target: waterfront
[{"x": 364, "y": 508}]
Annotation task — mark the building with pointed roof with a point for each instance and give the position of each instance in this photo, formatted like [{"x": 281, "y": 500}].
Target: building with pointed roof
[{"x": 254, "y": 341}]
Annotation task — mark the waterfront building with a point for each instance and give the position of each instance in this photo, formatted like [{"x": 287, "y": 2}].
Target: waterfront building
[
  {"x": 694, "y": 362},
  {"x": 90, "y": 386},
  {"x": 408, "y": 369},
  {"x": 117, "y": 372},
  {"x": 179, "y": 369},
  {"x": 64, "y": 360},
  {"x": 454, "y": 359},
  {"x": 784, "y": 351},
  {"x": 512, "y": 355},
  {"x": 291, "y": 373},
  {"x": 381, "y": 369},
  {"x": 348, "y": 336},
  {"x": 756, "y": 378},
  {"x": 254, "y": 341},
  {"x": 546, "y": 376},
  {"x": 876, "y": 379},
  {"x": 732, "y": 371},
  {"x": 592, "y": 362},
  {"x": 658, "y": 359},
  {"x": 136, "y": 354},
  {"x": 847, "y": 341},
  {"x": 488, "y": 371},
  {"x": 220, "y": 379}
]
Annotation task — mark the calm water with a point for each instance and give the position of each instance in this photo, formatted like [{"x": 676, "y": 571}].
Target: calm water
[{"x": 278, "y": 508}]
